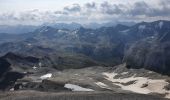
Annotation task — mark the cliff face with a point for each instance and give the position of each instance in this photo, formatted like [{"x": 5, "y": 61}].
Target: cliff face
[{"x": 151, "y": 53}]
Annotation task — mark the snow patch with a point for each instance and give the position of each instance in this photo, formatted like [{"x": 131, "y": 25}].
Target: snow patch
[
  {"x": 34, "y": 67},
  {"x": 12, "y": 89},
  {"x": 29, "y": 44},
  {"x": 124, "y": 31},
  {"x": 102, "y": 85},
  {"x": 40, "y": 64},
  {"x": 161, "y": 24},
  {"x": 141, "y": 85},
  {"x": 150, "y": 72},
  {"x": 46, "y": 76},
  {"x": 25, "y": 72},
  {"x": 76, "y": 74},
  {"x": 152, "y": 37},
  {"x": 76, "y": 87},
  {"x": 74, "y": 33},
  {"x": 124, "y": 73},
  {"x": 141, "y": 27},
  {"x": 62, "y": 31},
  {"x": 43, "y": 30}
]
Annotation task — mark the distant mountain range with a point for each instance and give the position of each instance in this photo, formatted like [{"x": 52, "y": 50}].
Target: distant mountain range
[
  {"x": 20, "y": 29},
  {"x": 143, "y": 45},
  {"x": 17, "y": 29}
]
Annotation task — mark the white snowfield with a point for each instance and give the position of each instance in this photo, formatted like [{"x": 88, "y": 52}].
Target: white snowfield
[
  {"x": 46, "y": 76},
  {"x": 76, "y": 87},
  {"x": 102, "y": 85},
  {"x": 141, "y": 85}
]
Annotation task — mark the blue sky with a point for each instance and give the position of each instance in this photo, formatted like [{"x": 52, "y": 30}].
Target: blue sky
[{"x": 35, "y": 12}]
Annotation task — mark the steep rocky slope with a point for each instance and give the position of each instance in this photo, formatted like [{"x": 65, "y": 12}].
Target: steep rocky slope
[{"x": 151, "y": 52}]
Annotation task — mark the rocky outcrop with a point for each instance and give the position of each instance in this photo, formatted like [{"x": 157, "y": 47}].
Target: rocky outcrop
[
  {"x": 7, "y": 77},
  {"x": 152, "y": 53}
]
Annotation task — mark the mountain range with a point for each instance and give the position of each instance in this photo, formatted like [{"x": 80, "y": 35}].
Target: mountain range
[
  {"x": 142, "y": 49},
  {"x": 142, "y": 45},
  {"x": 20, "y": 29}
]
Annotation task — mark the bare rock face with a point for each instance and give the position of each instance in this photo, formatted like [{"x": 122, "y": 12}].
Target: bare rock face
[
  {"x": 5, "y": 66},
  {"x": 7, "y": 77},
  {"x": 150, "y": 53}
]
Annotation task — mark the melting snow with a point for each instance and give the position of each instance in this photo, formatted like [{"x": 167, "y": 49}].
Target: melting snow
[
  {"x": 40, "y": 64},
  {"x": 141, "y": 27},
  {"x": 150, "y": 72},
  {"x": 161, "y": 24},
  {"x": 12, "y": 89},
  {"x": 76, "y": 74},
  {"x": 25, "y": 72},
  {"x": 124, "y": 73},
  {"x": 43, "y": 30},
  {"x": 124, "y": 31},
  {"x": 74, "y": 33},
  {"x": 62, "y": 31},
  {"x": 102, "y": 85},
  {"x": 46, "y": 76},
  {"x": 153, "y": 86},
  {"x": 34, "y": 67},
  {"x": 152, "y": 37},
  {"x": 29, "y": 44},
  {"x": 76, "y": 87}
]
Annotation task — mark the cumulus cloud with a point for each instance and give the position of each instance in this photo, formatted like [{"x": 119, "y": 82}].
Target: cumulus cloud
[
  {"x": 91, "y": 5},
  {"x": 110, "y": 9},
  {"x": 73, "y": 8},
  {"x": 93, "y": 12},
  {"x": 60, "y": 13},
  {"x": 140, "y": 8},
  {"x": 163, "y": 10}
]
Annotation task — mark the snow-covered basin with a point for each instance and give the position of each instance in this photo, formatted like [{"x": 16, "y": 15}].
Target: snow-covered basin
[
  {"x": 76, "y": 87},
  {"x": 153, "y": 85},
  {"x": 46, "y": 76}
]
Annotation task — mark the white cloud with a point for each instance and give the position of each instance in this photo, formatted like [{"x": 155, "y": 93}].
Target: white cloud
[{"x": 92, "y": 11}]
